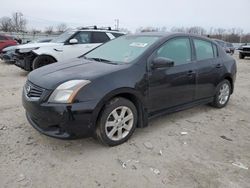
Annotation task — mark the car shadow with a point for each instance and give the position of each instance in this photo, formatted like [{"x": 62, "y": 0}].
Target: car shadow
[
  {"x": 80, "y": 146},
  {"x": 24, "y": 73}
]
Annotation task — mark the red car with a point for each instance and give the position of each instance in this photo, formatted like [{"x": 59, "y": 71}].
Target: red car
[{"x": 6, "y": 41}]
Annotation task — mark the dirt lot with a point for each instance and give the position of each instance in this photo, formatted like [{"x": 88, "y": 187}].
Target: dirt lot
[{"x": 156, "y": 156}]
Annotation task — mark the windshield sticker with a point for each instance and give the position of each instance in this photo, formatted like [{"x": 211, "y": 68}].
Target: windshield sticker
[{"x": 139, "y": 44}]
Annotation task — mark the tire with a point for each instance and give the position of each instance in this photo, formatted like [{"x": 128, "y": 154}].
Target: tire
[
  {"x": 41, "y": 61},
  {"x": 222, "y": 95},
  {"x": 110, "y": 129},
  {"x": 241, "y": 56}
]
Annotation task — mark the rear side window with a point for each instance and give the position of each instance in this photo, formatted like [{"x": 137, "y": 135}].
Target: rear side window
[
  {"x": 2, "y": 38},
  {"x": 204, "y": 50},
  {"x": 177, "y": 49},
  {"x": 99, "y": 37}
]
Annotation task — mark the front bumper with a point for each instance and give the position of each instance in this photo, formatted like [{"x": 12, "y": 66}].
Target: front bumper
[
  {"x": 24, "y": 61},
  {"x": 8, "y": 58},
  {"x": 61, "y": 120},
  {"x": 244, "y": 52}
]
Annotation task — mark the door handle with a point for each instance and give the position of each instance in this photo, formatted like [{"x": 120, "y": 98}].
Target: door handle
[
  {"x": 219, "y": 65},
  {"x": 190, "y": 73}
]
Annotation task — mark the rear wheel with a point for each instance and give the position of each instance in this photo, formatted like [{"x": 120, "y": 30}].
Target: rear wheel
[
  {"x": 241, "y": 56},
  {"x": 41, "y": 61},
  {"x": 117, "y": 122},
  {"x": 222, "y": 95}
]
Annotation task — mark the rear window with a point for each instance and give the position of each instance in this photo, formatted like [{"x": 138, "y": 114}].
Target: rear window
[
  {"x": 117, "y": 34},
  {"x": 204, "y": 49}
]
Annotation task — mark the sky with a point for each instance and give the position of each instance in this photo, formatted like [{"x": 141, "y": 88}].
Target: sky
[{"x": 132, "y": 14}]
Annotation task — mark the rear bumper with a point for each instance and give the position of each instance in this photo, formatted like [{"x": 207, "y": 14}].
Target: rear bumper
[{"x": 61, "y": 120}]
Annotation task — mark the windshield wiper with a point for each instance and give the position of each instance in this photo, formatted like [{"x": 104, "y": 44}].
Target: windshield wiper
[{"x": 101, "y": 60}]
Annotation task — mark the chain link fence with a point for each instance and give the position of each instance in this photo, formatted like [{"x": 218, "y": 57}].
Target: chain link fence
[{"x": 27, "y": 37}]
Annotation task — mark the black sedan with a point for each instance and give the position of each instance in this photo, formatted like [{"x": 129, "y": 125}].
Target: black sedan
[{"x": 120, "y": 85}]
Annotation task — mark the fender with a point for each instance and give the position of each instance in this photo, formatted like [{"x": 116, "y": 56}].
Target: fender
[
  {"x": 50, "y": 51},
  {"x": 131, "y": 94}
]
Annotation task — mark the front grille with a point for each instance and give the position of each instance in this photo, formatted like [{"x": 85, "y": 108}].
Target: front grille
[
  {"x": 33, "y": 91},
  {"x": 246, "y": 49}
]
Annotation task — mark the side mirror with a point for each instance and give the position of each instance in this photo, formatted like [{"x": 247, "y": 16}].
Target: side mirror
[
  {"x": 162, "y": 62},
  {"x": 73, "y": 41}
]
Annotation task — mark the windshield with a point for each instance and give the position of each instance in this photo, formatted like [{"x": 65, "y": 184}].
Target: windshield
[
  {"x": 122, "y": 50},
  {"x": 63, "y": 37}
]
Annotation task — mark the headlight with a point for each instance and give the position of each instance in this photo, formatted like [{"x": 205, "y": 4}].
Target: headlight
[
  {"x": 25, "y": 50},
  {"x": 66, "y": 92}
]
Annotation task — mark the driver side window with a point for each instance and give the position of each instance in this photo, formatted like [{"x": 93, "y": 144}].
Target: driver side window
[
  {"x": 178, "y": 50},
  {"x": 83, "y": 37}
]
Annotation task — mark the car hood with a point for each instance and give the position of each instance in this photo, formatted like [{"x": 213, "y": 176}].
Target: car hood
[
  {"x": 51, "y": 76},
  {"x": 247, "y": 46},
  {"x": 10, "y": 48},
  {"x": 36, "y": 45}
]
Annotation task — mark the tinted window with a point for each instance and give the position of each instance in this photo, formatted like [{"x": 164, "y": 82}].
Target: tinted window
[
  {"x": 99, "y": 37},
  {"x": 117, "y": 34},
  {"x": 2, "y": 38},
  {"x": 177, "y": 49},
  {"x": 204, "y": 49},
  {"x": 83, "y": 37}
]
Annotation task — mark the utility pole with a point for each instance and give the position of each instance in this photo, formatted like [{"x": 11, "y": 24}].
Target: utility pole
[{"x": 117, "y": 24}]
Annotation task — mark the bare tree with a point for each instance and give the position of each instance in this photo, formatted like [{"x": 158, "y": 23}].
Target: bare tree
[
  {"x": 178, "y": 29},
  {"x": 18, "y": 22},
  {"x": 49, "y": 30},
  {"x": 196, "y": 30},
  {"x": 6, "y": 24},
  {"x": 35, "y": 31},
  {"x": 125, "y": 30},
  {"x": 61, "y": 28}
]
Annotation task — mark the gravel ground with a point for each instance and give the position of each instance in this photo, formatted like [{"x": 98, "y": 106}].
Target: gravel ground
[{"x": 215, "y": 152}]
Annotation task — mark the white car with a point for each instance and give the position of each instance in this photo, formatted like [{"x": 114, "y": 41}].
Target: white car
[{"x": 70, "y": 44}]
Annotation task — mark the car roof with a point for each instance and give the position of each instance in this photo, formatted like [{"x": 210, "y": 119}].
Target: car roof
[{"x": 170, "y": 34}]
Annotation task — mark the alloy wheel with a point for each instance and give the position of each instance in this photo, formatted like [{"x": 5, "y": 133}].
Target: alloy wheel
[
  {"x": 119, "y": 123},
  {"x": 224, "y": 93}
]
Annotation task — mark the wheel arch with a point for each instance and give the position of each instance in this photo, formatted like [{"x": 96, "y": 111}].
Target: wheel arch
[
  {"x": 129, "y": 94},
  {"x": 230, "y": 79},
  {"x": 49, "y": 55}
]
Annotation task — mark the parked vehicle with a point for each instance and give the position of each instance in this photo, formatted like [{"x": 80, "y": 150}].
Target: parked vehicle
[
  {"x": 244, "y": 51},
  {"x": 231, "y": 47},
  {"x": 70, "y": 44},
  {"x": 8, "y": 53},
  {"x": 118, "y": 86},
  {"x": 6, "y": 41},
  {"x": 223, "y": 44}
]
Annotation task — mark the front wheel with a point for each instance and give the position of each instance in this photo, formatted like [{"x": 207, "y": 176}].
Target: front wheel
[
  {"x": 241, "y": 56},
  {"x": 117, "y": 122},
  {"x": 41, "y": 61},
  {"x": 222, "y": 95}
]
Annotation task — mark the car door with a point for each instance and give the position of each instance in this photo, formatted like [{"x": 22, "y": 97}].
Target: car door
[
  {"x": 172, "y": 86},
  {"x": 207, "y": 68}
]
